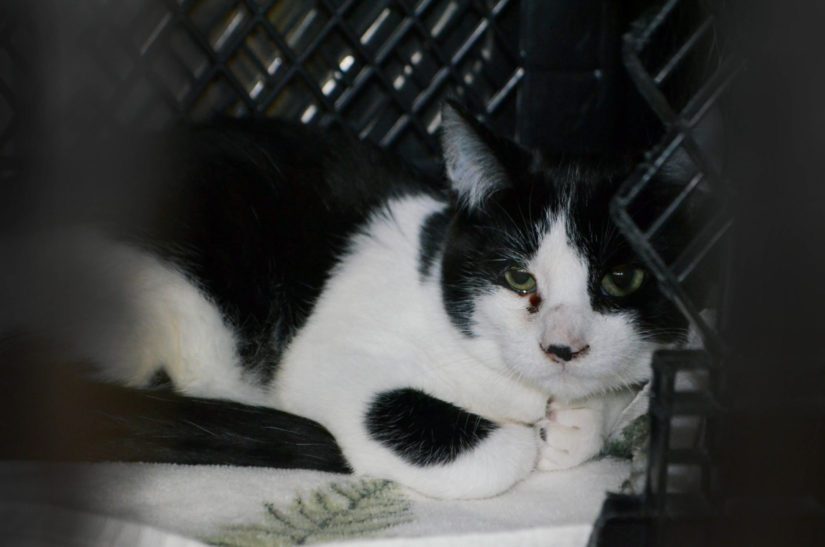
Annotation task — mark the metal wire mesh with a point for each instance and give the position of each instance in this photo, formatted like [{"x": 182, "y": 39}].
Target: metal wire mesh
[{"x": 380, "y": 68}]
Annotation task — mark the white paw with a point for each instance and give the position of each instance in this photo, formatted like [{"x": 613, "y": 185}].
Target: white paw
[{"x": 572, "y": 435}]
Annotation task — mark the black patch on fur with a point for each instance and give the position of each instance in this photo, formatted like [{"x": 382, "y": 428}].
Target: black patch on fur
[
  {"x": 160, "y": 380},
  {"x": 424, "y": 430},
  {"x": 166, "y": 427},
  {"x": 258, "y": 212},
  {"x": 483, "y": 242},
  {"x": 431, "y": 240},
  {"x": 112, "y": 423},
  {"x": 604, "y": 248}
]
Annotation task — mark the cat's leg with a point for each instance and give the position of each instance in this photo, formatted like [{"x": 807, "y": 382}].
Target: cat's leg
[
  {"x": 573, "y": 433},
  {"x": 576, "y": 431},
  {"x": 440, "y": 449}
]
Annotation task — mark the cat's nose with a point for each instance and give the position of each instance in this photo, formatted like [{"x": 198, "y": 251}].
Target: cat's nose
[{"x": 564, "y": 353}]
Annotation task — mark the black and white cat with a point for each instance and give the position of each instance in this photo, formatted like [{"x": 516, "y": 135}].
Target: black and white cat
[{"x": 425, "y": 327}]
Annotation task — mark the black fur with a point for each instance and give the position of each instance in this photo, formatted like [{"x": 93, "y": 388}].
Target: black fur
[
  {"x": 166, "y": 427},
  {"x": 431, "y": 240},
  {"x": 486, "y": 240},
  {"x": 258, "y": 212},
  {"x": 422, "y": 429},
  {"x": 160, "y": 380},
  {"x": 78, "y": 420},
  {"x": 597, "y": 239}
]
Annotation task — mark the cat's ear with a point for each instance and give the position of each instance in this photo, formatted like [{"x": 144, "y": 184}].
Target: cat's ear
[
  {"x": 708, "y": 136},
  {"x": 473, "y": 168}
]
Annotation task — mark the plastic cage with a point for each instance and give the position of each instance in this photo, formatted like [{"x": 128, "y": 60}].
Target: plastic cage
[
  {"x": 655, "y": 516},
  {"x": 711, "y": 507},
  {"x": 379, "y": 67},
  {"x": 382, "y": 69}
]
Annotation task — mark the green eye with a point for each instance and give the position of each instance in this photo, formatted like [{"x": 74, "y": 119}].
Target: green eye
[
  {"x": 520, "y": 281},
  {"x": 623, "y": 281}
]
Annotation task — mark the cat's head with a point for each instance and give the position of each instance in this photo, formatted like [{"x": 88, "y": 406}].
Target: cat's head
[{"x": 533, "y": 262}]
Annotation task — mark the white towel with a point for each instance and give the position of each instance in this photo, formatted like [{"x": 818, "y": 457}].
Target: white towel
[{"x": 257, "y": 507}]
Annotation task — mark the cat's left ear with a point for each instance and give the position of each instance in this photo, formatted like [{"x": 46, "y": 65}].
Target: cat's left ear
[
  {"x": 474, "y": 170},
  {"x": 708, "y": 133}
]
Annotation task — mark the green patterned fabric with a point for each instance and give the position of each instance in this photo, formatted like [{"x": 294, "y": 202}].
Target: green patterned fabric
[
  {"x": 629, "y": 440},
  {"x": 336, "y": 511}
]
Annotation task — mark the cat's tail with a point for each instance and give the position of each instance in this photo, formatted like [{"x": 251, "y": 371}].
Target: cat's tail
[
  {"x": 77, "y": 420},
  {"x": 75, "y": 306}
]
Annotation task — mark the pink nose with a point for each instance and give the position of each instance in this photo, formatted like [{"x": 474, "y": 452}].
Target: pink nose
[{"x": 561, "y": 353}]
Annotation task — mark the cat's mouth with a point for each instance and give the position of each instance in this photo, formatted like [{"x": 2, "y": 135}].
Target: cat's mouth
[
  {"x": 547, "y": 368},
  {"x": 563, "y": 354},
  {"x": 587, "y": 366},
  {"x": 595, "y": 372}
]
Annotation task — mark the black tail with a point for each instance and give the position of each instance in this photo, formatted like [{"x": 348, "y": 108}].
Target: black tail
[{"x": 63, "y": 418}]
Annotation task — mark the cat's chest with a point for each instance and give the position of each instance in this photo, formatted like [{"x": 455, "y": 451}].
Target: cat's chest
[
  {"x": 357, "y": 353},
  {"x": 477, "y": 380},
  {"x": 381, "y": 325},
  {"x": 348, "y": 360}
]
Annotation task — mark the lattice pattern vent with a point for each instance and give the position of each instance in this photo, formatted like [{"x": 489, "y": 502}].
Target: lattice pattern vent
[{"x": 379, "y": 67}]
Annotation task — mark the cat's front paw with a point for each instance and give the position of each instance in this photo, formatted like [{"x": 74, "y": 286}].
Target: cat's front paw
[{"x": 571, "y": 434}]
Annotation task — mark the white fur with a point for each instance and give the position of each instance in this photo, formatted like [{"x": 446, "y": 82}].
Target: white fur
[
  {"x": 122, "y": 310},
  {"x": 575, "y": 431},
  {"x": 472, "y": 169},
  {"x": 617, "y": 357},
  {"x": 377, "y": 327}
]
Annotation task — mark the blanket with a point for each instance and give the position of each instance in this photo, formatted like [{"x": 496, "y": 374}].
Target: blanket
[{"x": 161, "y": 504}]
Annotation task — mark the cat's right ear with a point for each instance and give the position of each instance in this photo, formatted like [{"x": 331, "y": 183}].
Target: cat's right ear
[{"x": 474, "y": 171}]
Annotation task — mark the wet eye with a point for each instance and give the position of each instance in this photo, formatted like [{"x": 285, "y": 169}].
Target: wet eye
[
  {"x": 623, "y": 281},
  {"x": 520, "y": 281}
]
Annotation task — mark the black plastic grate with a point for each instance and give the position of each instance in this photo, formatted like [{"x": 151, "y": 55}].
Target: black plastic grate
[
  {"x": 674, "y": 58},
  {"x": 381, "y": 68},
  {"x": 682, "y": 114}
]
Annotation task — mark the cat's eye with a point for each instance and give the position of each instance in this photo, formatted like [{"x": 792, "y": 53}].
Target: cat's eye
[
  {"x": 520, "y": 281},
  {"x": 623, "y": 281}
]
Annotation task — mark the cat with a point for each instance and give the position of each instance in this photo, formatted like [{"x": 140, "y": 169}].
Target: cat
[{"x": 425, "y": 324}]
